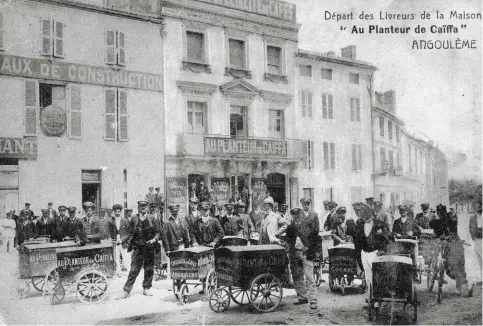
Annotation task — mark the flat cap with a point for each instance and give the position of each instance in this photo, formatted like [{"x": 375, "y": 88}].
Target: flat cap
[
  {"x": 341, "y": 209},
  {"x": 151, "y": 188},
  {"x": 27, "y": 204},
  {"x": 357, "y": 205},
  {"x": 205, "y": 205},
  {"x": 305, "y": 201},
  {"x": 268, "y": 200},
  {"x": 62, "y": 207},
  {"x": 44, "y": 210},
  {"x": 142, "y": 203},
  {"x": 23, "y": 212},
  {"x": 425, "y": 205},
  {"x": 128, "y": 210},
  {"x": 173, "y": 208},
  {"x": 153, "y": 204},
  {"x": 325, "y": 202},
  {"x": 157, "y": 188},
  {"x": 117, "y": 206},
  {"x": 241, "y": 204},
  {"x": 88, "y": 204},
  {"x": 229, "y": 204},
  {"x": 295, "y": 211},
  {"x": 72, "y": 209},
  {"x": 194, "y": 200},
  {"x": 369, "y": 199},
  {"x": 284, "y": 205},
  {"x": 332, "y": 204}
]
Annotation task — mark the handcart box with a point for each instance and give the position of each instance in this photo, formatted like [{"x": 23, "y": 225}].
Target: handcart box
[
  {"x": 393, "y": 277},
  {"x": 342, "y": 260},
  {"x": 191, "y": 263}
]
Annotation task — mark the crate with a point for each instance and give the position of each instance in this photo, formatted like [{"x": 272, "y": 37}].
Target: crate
[
  {"x": 191, "y": 263},
  {"x": 342, "y": 260}
]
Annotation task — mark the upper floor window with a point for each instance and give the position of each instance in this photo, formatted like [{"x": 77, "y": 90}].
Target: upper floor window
[
  {"x": 275, "y": 123},
  {"x": 238, "y": 121},
  {"x": 306, "y": 103},
  {"x": 308, "y": 154},
  {"x": 1, "y": 31},
  {"x": 237, "y": 53},
  {"x": 356, "y": 157},
  {"x": 397, "y": 134},
  {"x": 115, "y": 116},
  {"x": 274, "y": 59},
  {"x": 327, "y": 107},
  {"x": 326, "y": 74},
  {"x": 410, "y": 151},
  {"x": 195, "y": 46},
  {"x": 115, "y": 50},
  {"x": 389, "y": 129},
  {"x": 353, "y": 78},
  {"x": 52, "y": 32},
  {"x": 381, "y": 126},
  {"x": 355, "y": 108},
  {"x": 382, "y": 153},
  {"x": 329, "y": 156},
  {"x": 196, "y": 117},
  {"x": 305, "y": 70}
]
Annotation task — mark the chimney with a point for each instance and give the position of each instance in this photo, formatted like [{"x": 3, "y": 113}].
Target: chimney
[
  {"x": 390, "y": 101},
  {"x": 379, "y": 99},
  {"x": 349, "y": 52}
]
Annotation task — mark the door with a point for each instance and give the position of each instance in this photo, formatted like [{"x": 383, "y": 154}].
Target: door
[
  {"x": 91, "y": 187},
  {"x": 275, "y": 124},
  {"x": 238, "y": 121},
  {"x": 276, "y": 187}
]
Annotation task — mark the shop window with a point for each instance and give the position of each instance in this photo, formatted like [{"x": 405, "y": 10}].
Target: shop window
[
  {"x": 308, "y": 155},
  {"x": 115, "y": 47},
  {"x": 329, "y": 156},
  {"x": 326, "y": 74},
  {"x": 353, "y": 78},
  {"x": 195, "y": 46},
  {"x": 306, "y": 103},
  {"x": 238, "y": 121},
  {"x": 355, "y": 109},
  {"x": 2, "y": 30},
  {"x": 274, "y": 60},
  {"x": 52, "y": 33},
  {"x": 275, "y": 123},
  {"x": 196, "y": 117},
  {"x": 305, "y": 70},
  {"x": 115, "y": 116},
  {"x": 237, "y": 53},
  {"x": 327, "y": 106},
  {"x": 356, "y": 157}
]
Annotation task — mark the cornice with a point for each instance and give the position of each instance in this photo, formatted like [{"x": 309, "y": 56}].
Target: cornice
[
  {"x": 276, "y": 98},
  {"x": 193, "y": 88}
]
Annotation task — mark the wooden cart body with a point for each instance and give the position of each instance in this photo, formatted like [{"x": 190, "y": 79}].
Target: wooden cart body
[
  {"x": 392, "y": 278},
  {"x": 191, "y": 263},
  {"x": 233, "y": 240},
  {"x": 342, "y": 260},
  {"x": 239, "y": 265}
]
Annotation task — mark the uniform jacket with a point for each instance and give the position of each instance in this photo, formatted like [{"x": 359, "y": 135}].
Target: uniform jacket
[
  {"x": 58, "y": 233},
  {"x": 124, "y": 231},
  {"x": 190, "y": 221},
  {"x": 232, "y": 226},
  {"x": 403, "y": 228},
  {"x": 53, "y": 213},
  {"x": 45, "y": 228},
  {"x": 208, "y": 232},
  {"x": 105, "y": 227},
  {"x": 133, "y": 236},
  {"x": 72, "y": 228},
  {"x": 307, "y": 229},
  {"x": 25, "y": 232},
  {"x": 246, "y": 225},
  {"x": 475, "y": 231},
  {"x": 91, "y": 228},
  {"x": 113, "y": 230},
  {"x": 372, "y": 242},
  {"x": 169, "y": 235},
  {"x": 422, "y": 220}
]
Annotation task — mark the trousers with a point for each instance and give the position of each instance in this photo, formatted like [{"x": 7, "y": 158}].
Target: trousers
[
  {"x": 477, "y": 245},
  {"x": 126, "y": 257},
  {"x": 142, "y": 257},
  {"x": 303, "y": 275},
  {"x": 367, "y": 258}
]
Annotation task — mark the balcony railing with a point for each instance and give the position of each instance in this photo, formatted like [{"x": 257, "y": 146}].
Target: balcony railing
[{"x": 227, "y": 146}]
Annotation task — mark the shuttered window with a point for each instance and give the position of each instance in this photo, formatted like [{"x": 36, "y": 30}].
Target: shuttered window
[
  {"x": 116, "y": 115},
  {"x": 353, "y": 78},
  {"x": 326, "y": 74},
  {"x": 355, "y": 109},
  {"x": 308, "y": 154},
  {"x": 274, "y": 60},
  {"x": 397, "y": 134},
  {"x": 237, "y": 53},
  {"x": 1, "y": 31},
  {"x": 381, "y": 126},
  {"x": 356, "y": 157},
  {"x": 383, "y": 158},
  {"x": 329, "y": 156},
  {"x": 306, "y": 103},
  {"x": 389, "y": 129},
  {"x": 115, "y": 47},
  {"x": 327, "y": 106},
  {"x": 75, "y": 112},
  {"x": 31, "y": 105},
  {"x": 52, "y": 33},
  {"x": 195, "y": 48},
  {"x": 305, "y": 70}
]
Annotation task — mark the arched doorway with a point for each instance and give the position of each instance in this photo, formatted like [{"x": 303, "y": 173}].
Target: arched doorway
[{"x": 276, "y": 187}]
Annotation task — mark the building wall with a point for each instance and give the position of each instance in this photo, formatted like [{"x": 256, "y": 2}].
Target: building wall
[{"x": 55, "y": 175}]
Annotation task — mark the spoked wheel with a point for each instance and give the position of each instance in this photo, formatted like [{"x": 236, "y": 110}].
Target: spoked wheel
[
  {"x": 50, "y": 280},
  {"x": 211, "y": 283},
  {"x": 432, "y": 274},
  {"x": 58, "y": 294},
  {"x": 266, "y": 293},
  {"x": 219, "y": 300},
  {"x": 183, "y": 293},
  {"x": 160, "y": 272},
  {"x": 369, "y": 308},
  {"x": 92, "y": 286},
  {"x": 342, "y": 285},
  {"x": 440, "y": 281},
  {"x": 177, "y": 288},
  {"x": 38, "y": 283},
  {"x": 20, "y": 290},
  {"x": 415, "y": 306},
  {"x": 420, "y": 269},
  {"x": 239, "y": 296},
  {"x": 318, "y": 274},
  {"x": 331, "y": 283}
]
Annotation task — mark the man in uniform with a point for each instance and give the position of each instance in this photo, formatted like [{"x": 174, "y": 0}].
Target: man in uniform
[
  {"x": 45, "y": 226},
  {"x": 192, "y": 217},
  {"x": 72, "y": 228},
  {"x": 90, "y": 221},
  {"x": 115, "y": 235},
  {"x": 150, "y": 197},
  {"x": 26, "y": 229},
  {"x": 58, "y": 222},
  {"x": 331, "y": 205},
  {"x": 142, "y": 236},
  {"x": 52, "y": 213},
  {"x": 303, "y": 241},
  {"x": 370, "y": 201},
  {"x": 383, "y": 215},
  {"x": 405, "y": 226},
  {"x": 30, "y": 214},
  {"x": 175, "y": 234},
  {"x": 208, "y": 230},
  {"x": 245, "y": 222},
  {"x": 423, "y": 218},
  {"x": 231, "y": 223},
  {"x": 105, "y": 222}
]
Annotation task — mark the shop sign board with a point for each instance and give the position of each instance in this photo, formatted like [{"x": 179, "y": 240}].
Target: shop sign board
[
  {"x": 221, "y": 188},
  {"x": 53, "y": 120},
  {"x": 220, "y": 146},
  {"x": 177, "y": 193},
  {"x": 21, "y": 148}
]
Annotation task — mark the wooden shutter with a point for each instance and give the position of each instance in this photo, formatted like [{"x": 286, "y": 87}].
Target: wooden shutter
[
  {"x": 359, "y": 157},
  {"x": 354, "y": 157},
  {"x": 123, "y": 117},
  {"x": 58, "y": 39},
  {"x": 194, "y": 47},
  {"x": 305, "y": 154},
  {"x": 381, "y": 126},
  {"x": 326, "y": 156},
  {"x": 358, "y": 109},
  {"x": 273, "y": 59},
  {"x": 330, "y": 106},
  {"x": 324, "y": 106},
  {"x": 31, "y": 105},
  {"x": 303, "y": 101},
  {"x": 237, "y": 53},
  {"x": 75, "y": 112},
  {"x": 332, "y": 156},
  {"x": 309, "y": 104},
  {"x": 389, "y": 129},
  {"x": 1, "y": 31},
  {"x": 110, "y": 114},
  {"x": 311, "y": 153},
  {"x": 110, "y": 37},
  {"x": 121, "y": 52},
  {"x": 352, "y": 109},
  {"x": 46, "y": 34}
]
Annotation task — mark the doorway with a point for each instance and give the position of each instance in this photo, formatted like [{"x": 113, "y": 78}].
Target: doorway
[
  {"x": 276, "y": 187},
  {"x": 197, "y": 187},
  {"x": 91, "y": 187}
]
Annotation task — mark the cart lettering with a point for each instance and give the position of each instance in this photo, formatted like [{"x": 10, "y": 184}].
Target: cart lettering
[
  {"x": 103, "y": 258},
  {"x": 184, "y": 263},
  {"x": 39, "y": 257}
]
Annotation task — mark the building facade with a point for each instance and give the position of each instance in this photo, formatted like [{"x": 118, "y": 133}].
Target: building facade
[{"x": 82, "y": 109}]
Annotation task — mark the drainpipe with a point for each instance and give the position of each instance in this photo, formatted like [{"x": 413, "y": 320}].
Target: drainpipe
[{"x": 369, "y": 89}]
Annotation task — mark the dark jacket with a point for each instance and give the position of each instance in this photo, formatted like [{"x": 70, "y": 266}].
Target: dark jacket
[
  {"x": 105, "y": 227},
  {"x": 134, "y": 236},
  {"x": 246, "y": 225},
  {"x": 73, "y": 229},
  {"x": 124, "y": 231},
  {"x": 206, "y": 233},
  {"x": 232, "y": 226},
  {"x": 307, "y": 229},
  {"x": 403, "y": 228},
  {"x": 257, "y": 219},
  {"x": 91, "y": 228},
  {"x": 172, "y": 234},
  {"x": 475, "y": 231},
  {"x": 45, "y": 228},
  {"x": 372, "y": 242},
  {"x": 422, "y": 221},
  {"x": 58, "y": 231},
  {"x": 190, "y": 221},
  {"x": 25, "y": 232},
  {"x": 113, "y": 230}
]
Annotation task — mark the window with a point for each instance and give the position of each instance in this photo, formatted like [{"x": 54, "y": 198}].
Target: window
[
  {"x": 356, "y": 157},
  {"x": 305, "y": 70},
  {"x": 327, "y": 106},
  {"x": 326, "y": 74},
  {"x": 52, "y": 33},
  {"x": 237, "y": 53},
  {"x": 416, "y": 160},
  {"x": 355, "y": 109},
  {"x": 410, "y": 158},
  {"x": 274, "y": 60},
  {"x": 75, "y": 112},
  {"x": 276, "y": 123},
  {"x": 1, "y": 31},
  {"x": 31, "y": 104},
  {"x": 308, "y": 154},
  {"x": 391, "y": 159},
  {"x": 381, "y": 126},
  {"x": 115, "y": 116},
  {"x": 397, "y": 134},
  {"x": 306, "y": 103},
  {"x": 383, "y": 158},
  {"x": 115, "y": 47},
  {"x": 196, "y": 117},
  {"x": 195, "y": 46},
  {"x": 398, "y": 160},
  {"x": 354, "y": 78},
  {"x": 329, "y": 156},
  {"x": 238, "y": 121},
  {"x": 51, "y": 95},
  {"x": 389, "y": 129}
]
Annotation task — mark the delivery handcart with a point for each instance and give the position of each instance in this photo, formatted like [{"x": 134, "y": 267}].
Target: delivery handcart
[{"x": 343, "y": 269}]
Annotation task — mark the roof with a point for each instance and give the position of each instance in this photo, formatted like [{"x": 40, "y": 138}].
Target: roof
[
  {"x": 334, "y": 59},
  {"x": 389, "y": 114}
]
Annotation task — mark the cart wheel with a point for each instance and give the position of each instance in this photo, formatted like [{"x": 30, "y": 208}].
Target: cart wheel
[
  {"x": 50, "y": 280},
  {"x": 342, "y": 285},
  {"x": 219, "y": 300},
  {"x": 20, "y": 290},
  {"x": 38, "y": 283},
  {"x": 266, "y": 293},
  {"x": 239, "y": 296},
  {"x": 433, "y": 272},
  {"x": 58, "y": 294},
  {"x": 318, "y": 274},
  {"x": 415, "y": 307},
  {"x": 363, "y": 287},
  {"x": 420, "y": 269},
  {"x": 211, "y": 282},
  {"x": 183, "y": 293},
  {"x": 159, "y": 272},
  {"x": 369, "y": 308},
  {"x": 440, "y": 281},
  {"x": 92, "y": 286},
  {"x": 331, "y": 283}
]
